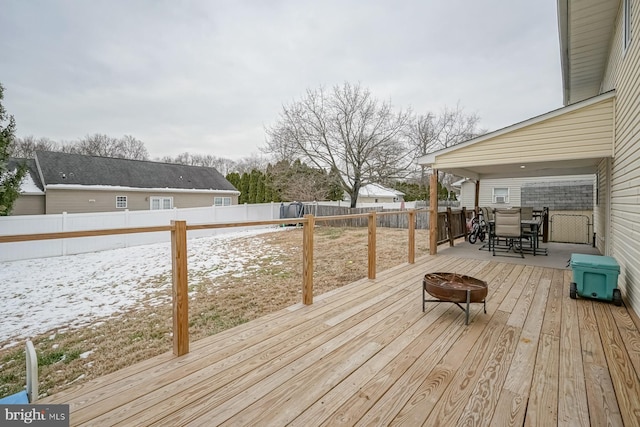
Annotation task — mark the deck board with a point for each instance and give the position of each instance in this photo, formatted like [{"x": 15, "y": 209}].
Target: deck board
[{"x": 366, "y": 354}]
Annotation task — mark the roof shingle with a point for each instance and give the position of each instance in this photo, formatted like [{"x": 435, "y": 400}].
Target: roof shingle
[{"x": 77, "y": 169}]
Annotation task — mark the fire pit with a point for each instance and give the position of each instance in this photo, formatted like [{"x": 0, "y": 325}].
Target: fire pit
[{"x": 454, "y": 288}]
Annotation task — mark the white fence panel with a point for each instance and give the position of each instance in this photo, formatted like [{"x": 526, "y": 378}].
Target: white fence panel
[
  {"x": 33, "y": 224},
  {"x": 92, "y": 221},
  {"x": 392, "y": 205}
]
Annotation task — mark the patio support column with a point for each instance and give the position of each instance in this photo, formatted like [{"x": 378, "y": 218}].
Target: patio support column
[
  {"x": 180, "y": 288},
  {"x": 476, "y": 204},
  {"x": 433, "y": 213}
]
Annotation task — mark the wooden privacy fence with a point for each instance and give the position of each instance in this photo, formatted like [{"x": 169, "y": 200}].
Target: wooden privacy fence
[
  {"x": 179, "y": 229},
  {"x": 345, "y": 216}
]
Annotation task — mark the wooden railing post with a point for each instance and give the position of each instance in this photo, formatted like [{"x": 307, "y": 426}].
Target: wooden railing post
[
  {"x": 412, "y": 236},
  {"x": 449, "y": 226},
  {"x": 180, "y": 288},
  {"x": 433, "y": 213},
  {"x": 372, "y": 245},
  {"x": 545, "y": 224},
  {"x": 307, "y": 260},
  {"x": 464, "y": 224}
]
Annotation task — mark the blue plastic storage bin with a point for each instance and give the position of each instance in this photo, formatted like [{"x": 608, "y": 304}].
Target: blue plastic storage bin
[{"x": 595, "y": 276}]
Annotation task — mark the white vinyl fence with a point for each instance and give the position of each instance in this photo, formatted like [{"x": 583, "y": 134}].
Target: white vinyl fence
[{"x": 32, "y": 224}]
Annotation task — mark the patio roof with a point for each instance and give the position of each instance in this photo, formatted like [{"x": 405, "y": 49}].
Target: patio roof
[{"x": 568, "y": 141}]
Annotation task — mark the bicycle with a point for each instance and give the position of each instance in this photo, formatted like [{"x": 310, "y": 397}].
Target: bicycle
[{"x": 478, "y": 228}]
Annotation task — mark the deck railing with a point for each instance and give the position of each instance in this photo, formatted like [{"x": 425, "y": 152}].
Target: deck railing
[
  {"x": 452, "y": 225},
  {"x": 179, "y": 229}
]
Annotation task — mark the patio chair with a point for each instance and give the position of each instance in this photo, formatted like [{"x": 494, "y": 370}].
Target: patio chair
[
  {"x": 488, "y": 213},
  {"x": 30, "y": 394},
  {"x": 526, "y": 213},
  {"x": 508, "y": 227}
]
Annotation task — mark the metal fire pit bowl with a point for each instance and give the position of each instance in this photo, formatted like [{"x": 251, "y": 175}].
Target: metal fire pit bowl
[{"x": 454, "y": 288}]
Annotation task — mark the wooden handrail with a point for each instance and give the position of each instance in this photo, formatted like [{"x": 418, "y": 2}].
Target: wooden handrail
[
  {"x": 85, "y": 233},
  {"x": 178, "y": 229},
  {"x": 284, "y": 221}
]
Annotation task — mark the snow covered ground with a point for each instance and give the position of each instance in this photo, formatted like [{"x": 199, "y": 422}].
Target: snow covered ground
[{"x": 42, "y": 294}]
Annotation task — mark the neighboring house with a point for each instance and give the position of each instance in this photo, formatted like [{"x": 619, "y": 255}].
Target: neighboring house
[
  {"x": 596, "y": 132},
  {"x": 375, "y": 193},
  {"x": 76, "y": 183}
]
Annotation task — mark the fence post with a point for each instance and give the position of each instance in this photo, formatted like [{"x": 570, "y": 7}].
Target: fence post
[
  {"x": 180, "y": 287},
  {"x": 449, "y": 229},
  {"x": 64, "y": 228},
  {"x": 412, "y": 236},
  {"x": 307, "y": 259},
  {"x": 126, "y": 224},
  {"x": 464, "y": 223},
  {"x": 372, "y": 245},
  {"x": 545, "y": 224}
]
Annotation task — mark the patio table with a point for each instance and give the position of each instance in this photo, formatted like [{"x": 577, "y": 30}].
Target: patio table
[{"x": 526, "y": 224}]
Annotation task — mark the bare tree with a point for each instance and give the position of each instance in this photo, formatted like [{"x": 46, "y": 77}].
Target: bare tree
[
  {"x": 346, "y": 130},
  {"x": 221, "y": 164},
  {"x": 103, "y": 145},
  {"x": 249, "y": 163},
  {"x": 132, "y": 148},
  {"x": 26, "y": 147},
  {"x": 432, "y": 132}
]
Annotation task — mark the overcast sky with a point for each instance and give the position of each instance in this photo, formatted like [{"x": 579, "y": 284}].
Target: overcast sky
[{"x": 207, "y": 76}]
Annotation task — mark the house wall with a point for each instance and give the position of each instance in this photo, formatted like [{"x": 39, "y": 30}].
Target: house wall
[
  {"x": 601, "y": 208},
  {"x": 378, "y": 199},
  {"x": 29, "y": 204},
  {"x": 84, "y": 201},
  {"x": 588, "y": 130},
  {"x": 515, "y": 191},
  {"x": 467, "y": 196},
  {"x": 623, "y": 73}
]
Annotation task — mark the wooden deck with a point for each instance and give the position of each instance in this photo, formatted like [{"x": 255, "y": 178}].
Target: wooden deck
[{"x": 366, "y": 354}]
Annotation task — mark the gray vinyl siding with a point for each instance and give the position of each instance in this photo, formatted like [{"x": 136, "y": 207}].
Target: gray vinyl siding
[
  {"x": 623, "y": 71},
  {"x": 600, "y": 212},
  {"x": 515, "y": 188},
  {"x": 29, "y": 205},
  {"x": 83, "y": 201}
]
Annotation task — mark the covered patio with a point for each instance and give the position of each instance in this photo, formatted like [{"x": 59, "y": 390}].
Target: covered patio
[{"x": 573, "y": 140}]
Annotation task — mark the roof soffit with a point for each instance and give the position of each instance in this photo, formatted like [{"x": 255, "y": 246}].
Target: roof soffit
[{"x": 586, "y": 30}]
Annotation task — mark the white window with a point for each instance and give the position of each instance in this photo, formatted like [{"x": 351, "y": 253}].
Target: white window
[
  {"x": 161, "y": 203},
  {"x": 121, "y": 202},
  {"x": 626, "y": 11},
  {"x": 222, "y": 201},
  {"x": 500, "y": 195}
]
